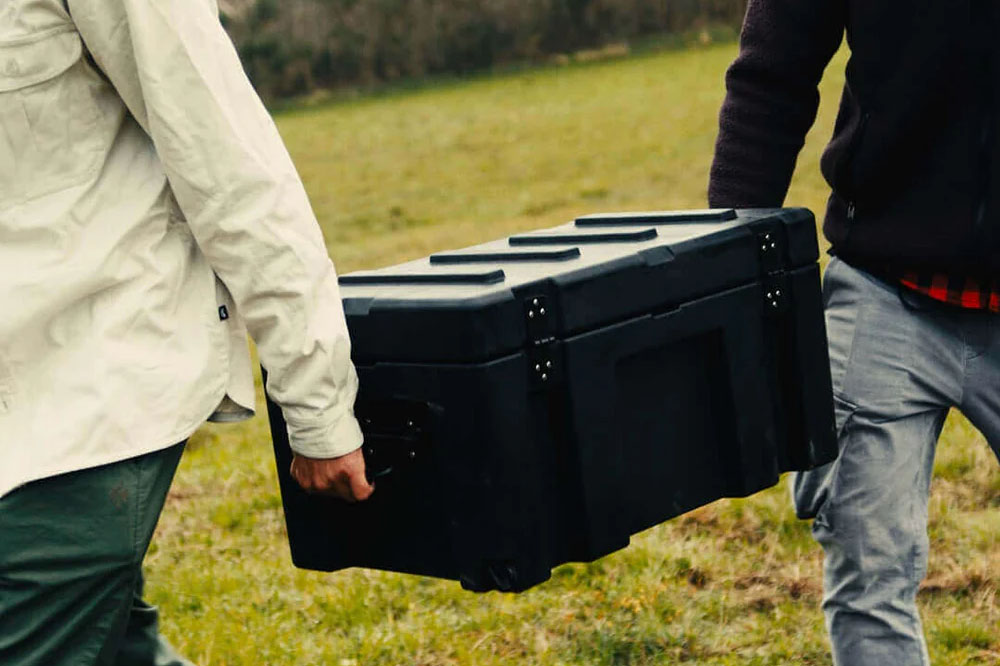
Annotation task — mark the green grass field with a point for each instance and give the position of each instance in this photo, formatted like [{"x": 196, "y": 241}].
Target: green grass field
[{"x": 398, "y": 175}]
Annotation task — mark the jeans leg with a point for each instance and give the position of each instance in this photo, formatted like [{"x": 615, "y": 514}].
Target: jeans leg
[
  {"x": 873, "y": 529},
  {"x": 981, "y": 398},
  {"x": 142, "y": 644},
  {"x": 897, "y": 370},
  {"x": 69, "y": 559}
]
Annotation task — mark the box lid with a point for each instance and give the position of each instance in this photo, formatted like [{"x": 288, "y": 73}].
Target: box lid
[{"x": 493, "y": 299}]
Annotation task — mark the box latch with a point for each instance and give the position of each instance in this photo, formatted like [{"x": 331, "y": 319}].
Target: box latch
[
  {"x": 771, "y": 250},
  {"x": 544, "y": 368},
  {"x": 540, "y": 320},
  {"x": 777, "y": 299}
]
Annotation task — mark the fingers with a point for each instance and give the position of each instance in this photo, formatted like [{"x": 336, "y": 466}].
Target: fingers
[
  {"x": 360, "y": 488},
  {"x": 340, "y": 488},
  {"x": 316, "y": 480},
  {"x": 342, "y": 477}
]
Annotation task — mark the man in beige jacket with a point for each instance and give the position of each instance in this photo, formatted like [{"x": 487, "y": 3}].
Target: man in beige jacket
[{"x": 149, "y": 217}]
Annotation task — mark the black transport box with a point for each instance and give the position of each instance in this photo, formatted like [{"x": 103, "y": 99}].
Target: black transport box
[{"x": 539, "y": 399}]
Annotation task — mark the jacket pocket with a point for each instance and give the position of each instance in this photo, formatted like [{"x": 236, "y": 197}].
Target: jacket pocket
[
  {"x": 845, "y": 180},
  {"x": 48, "y": 116}
]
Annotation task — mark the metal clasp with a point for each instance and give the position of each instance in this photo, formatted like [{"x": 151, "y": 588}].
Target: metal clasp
[
  {"x": 541, "y": 323},
  {"x": 769, "y": 247},
  {"x": 777, "y": 299},
  {"x": 544, "y": 368}
]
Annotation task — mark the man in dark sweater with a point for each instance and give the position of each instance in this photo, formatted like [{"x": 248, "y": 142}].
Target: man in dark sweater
[{"x": 914, "y": 224}]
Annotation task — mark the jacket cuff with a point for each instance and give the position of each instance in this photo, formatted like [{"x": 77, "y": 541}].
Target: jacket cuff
[{"x": 326, "y": 440}]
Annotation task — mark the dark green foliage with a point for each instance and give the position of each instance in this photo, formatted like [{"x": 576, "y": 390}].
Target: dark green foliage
[{"x": 292, "y": 46}]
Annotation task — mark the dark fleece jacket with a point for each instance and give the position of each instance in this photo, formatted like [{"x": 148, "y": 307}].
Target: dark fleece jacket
[{"x": 912, "y": 154}]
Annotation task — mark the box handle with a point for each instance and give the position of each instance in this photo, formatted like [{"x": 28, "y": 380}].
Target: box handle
[
  {"x": 581, "y": 239},
  {"x": 397, "y": 435},
  {"x": 500, "y": 257},
  {"x": 388, "y": 279},
  {"x": 656, "y": 217}
]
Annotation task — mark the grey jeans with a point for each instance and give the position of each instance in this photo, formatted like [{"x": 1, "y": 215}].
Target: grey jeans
[{"x": 899, "y": 362}]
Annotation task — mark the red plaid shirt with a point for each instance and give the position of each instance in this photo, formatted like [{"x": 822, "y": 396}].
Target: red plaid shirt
[{"x": 965, "y": 292}]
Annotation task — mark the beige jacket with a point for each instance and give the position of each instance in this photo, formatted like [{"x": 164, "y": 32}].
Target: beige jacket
[{"x": 147, "y": 220}]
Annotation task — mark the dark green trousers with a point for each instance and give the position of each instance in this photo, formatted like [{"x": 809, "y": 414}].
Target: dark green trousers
[{"x": 71, "y": 550}]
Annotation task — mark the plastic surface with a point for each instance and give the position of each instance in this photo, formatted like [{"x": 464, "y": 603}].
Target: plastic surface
[
  {"x": 594, "y": 271},
  {"x": 610, "y": 380}
]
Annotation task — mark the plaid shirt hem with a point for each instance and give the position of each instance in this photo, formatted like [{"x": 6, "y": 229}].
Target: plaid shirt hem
[{"x": 962, "y": 291}]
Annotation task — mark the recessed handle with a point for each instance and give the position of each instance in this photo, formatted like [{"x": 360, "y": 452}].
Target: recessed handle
[
  {"x": 389, "y": 279},
  {"x": 657, "y": 217},
  {"x": 585, "y": 239},
  {"x": 501, "y": 257}
]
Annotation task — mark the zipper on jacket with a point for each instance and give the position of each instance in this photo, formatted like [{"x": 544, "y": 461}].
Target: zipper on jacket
[
  {"x": 985, "y": 163},
  {"x": 850, "y": 166},
  {"x": 983, "y": 153}
]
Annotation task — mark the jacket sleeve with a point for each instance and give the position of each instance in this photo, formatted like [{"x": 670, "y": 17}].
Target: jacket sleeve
[
  {"x": 771, "y": 98},
  {"x": 177, "y": 71}
]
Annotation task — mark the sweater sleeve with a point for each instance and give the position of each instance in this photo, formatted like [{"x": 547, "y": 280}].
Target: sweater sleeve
[{"x": 771, "y": 98}]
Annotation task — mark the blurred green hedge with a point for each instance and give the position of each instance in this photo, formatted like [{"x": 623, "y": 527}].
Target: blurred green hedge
[{"x": 290, "y": 47}]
